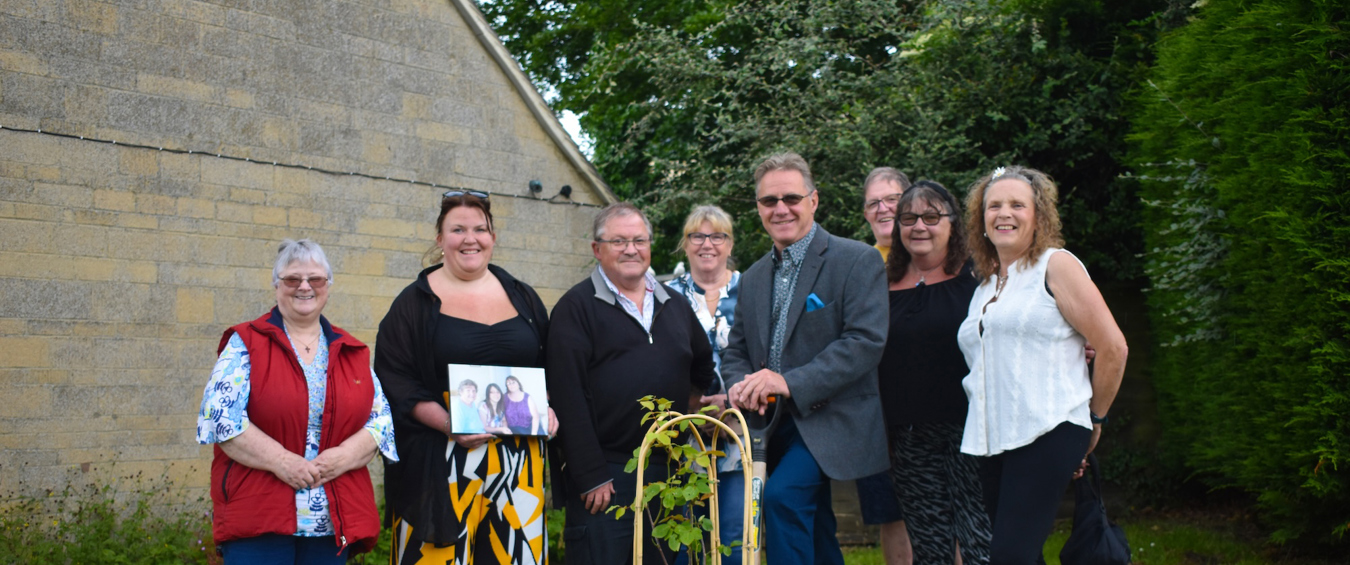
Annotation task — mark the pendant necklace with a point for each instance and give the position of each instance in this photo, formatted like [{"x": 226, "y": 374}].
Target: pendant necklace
[
  {"x": 923, "y": 275},
  {"x": 302, "y": 342}
]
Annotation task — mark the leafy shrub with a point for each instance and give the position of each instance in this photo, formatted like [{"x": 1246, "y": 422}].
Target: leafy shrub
[{"x": 1241, "y": 139}]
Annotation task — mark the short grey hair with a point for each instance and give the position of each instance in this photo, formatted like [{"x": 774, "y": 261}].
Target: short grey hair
[
  {"x": 616, "y": 210},
  {"x": 302, "y": 251},
  {"x": 886, "y": 174},
  {"x": 785, "y": 162}
]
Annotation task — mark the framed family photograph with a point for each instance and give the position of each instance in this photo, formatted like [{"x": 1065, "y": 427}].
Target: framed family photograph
[{"x": 498, "y": 400}]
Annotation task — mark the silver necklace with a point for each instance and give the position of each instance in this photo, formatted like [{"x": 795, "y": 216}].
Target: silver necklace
[{"x": 923, "y": 275}]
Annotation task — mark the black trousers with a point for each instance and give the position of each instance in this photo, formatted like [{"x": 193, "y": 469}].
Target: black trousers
[
  {"x": 599, "y": 539},
  {"x": 1022, "y": 491}
]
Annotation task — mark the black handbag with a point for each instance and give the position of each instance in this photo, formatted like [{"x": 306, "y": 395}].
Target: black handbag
[{"x": 1095, "y": 539}]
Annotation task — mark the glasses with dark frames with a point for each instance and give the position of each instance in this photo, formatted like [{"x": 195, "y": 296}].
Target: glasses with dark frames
[
  {"x": 789, "y": 199},
  {"x": 697, "y": 238},
  {"x": 314, "y": 282},
  {"x": 929, "y": 218}
]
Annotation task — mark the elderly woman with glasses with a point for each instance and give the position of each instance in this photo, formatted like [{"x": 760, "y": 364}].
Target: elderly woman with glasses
[
  {"x": 711, "y": 286},
  {"x": 295, "y": 413},
  {"x": 461, "y": 497},
  {"x": 1035, "y": 410}
]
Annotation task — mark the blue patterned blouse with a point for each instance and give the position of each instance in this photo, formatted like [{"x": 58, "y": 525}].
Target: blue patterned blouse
[
  {"x": 224, "y": 415},
  {"x": 717, "y": 324}
]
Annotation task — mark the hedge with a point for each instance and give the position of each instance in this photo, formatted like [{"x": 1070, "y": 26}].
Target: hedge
[{"x": 1240, "y": 140}]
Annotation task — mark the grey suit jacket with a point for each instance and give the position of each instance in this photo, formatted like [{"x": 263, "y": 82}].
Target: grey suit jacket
[{"x": 830, "y": 354}]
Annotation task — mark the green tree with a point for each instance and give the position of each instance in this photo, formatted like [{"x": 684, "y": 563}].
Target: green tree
[
  {"x": 683, "y": 98},
  {"x": 1241, "y": 135}
]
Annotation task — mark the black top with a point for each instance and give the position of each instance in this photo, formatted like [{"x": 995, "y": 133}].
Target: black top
[
  {"x": 601, "y": 361},
  {"x": 406, "y": 362},
  {"x": 922, "y": 367},
  {"x": 509, "y": 343}
]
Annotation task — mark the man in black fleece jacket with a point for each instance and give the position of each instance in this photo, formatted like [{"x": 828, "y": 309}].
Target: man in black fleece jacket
[{"x": 613, "y": 338}]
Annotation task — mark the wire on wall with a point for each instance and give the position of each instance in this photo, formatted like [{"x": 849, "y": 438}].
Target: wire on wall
[{"x": 282, "y": 164}]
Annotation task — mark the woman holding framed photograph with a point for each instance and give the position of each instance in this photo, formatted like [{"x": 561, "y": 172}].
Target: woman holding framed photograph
[{"x": 462, "y": 310}]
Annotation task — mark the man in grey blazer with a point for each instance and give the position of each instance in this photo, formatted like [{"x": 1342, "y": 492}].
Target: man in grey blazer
[{"x": 811, "y": 326}]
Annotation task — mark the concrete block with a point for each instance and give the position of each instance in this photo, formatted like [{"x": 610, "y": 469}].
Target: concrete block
[
  {"x": 149, "y": 114},
  {"x": 24, "y": 352},
  {"x": 39, "y": 212},
  {"x": 47, "y": 299},
  {"x": 95, "y": 217},
  {"x": 114, "y": 200},
  {"x": 20, "y": 62},
  {"x": 93, "y": 16},
  {"x": 228, "y": 172},
  {"x": 270, "y": 215},
  {"x": 125, "y": 302},
  {"x": 179, "y": 166},
  {"x": 196, "y": 208},
  {"x": 386, "y": 227},
  {"x": 234, "y": 212},
  {"x": 239, "y": 98},
  {"x": 306, "y": 219},
  {"x": 194, "y": 306}
]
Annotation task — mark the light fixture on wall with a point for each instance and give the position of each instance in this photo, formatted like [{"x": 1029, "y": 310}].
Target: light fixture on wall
[
  {"x": 565, "y": 192},
  {"x": 535, "y": 188}
]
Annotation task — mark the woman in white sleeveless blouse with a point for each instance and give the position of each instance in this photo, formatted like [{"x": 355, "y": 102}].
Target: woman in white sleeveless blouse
[{"x": 1035, "y": 412}]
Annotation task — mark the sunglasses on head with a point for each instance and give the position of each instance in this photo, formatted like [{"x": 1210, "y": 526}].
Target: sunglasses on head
[
  {"x": 314, "y": 282},
  {"x": 474, "y": 193}
]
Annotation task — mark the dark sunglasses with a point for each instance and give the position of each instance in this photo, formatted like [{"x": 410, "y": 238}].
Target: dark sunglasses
[
  {"x": 929, "y": 218},
  {"x": 314, "y": 282},
  {"x": 475, "y": 193},
  {"x": 789, "y": 199}
]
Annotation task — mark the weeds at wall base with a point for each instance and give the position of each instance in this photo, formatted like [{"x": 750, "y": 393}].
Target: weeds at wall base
[{"x": 129, "y": 520}]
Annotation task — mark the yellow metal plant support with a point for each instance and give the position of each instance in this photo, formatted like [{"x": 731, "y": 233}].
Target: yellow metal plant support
[{"x": 750, "y": 549}]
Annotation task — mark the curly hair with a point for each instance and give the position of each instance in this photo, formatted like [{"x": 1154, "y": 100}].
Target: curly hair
[
  {"x": 929, "y": 193},
  {"x": 1048, "y": 229}
]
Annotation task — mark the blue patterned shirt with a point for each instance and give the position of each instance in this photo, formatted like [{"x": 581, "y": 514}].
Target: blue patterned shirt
[
  {"x": 224, "y": 415},
  {"x": 716, "y": 324},
  {"x": 786, "y": 266}
]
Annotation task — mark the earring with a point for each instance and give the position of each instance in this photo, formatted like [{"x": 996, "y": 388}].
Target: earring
[{"x": 986, "y": 235}]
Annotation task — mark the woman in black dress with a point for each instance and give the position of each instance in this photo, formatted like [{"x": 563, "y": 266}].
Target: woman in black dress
[
  {"x": 921, "y": 370},
  {"x": 463, "y": 310}
]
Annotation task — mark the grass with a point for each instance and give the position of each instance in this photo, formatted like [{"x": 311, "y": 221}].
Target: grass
[{"x": 1155, "y": 540}]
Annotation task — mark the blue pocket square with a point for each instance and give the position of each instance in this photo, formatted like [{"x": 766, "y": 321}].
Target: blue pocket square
[{"x": 813, "y": 303}]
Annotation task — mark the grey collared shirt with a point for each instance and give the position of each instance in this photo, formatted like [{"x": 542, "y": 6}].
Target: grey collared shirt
[{"x": 786, "y": 266}]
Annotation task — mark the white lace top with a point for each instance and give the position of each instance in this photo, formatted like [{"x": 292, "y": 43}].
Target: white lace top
[{"x": 1027, "y": 371}]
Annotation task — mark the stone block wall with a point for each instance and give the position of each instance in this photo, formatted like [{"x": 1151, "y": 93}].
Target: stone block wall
[{"x": 122, "y": 263}]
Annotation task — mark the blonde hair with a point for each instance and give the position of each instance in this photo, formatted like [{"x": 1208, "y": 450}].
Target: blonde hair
[
  {"x": 719, "y": 218},
  {"x": 1048, "y": 229}
]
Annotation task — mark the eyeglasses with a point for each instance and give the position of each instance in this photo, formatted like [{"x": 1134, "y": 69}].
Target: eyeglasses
[
  {"x": 314, "y": 282},
  {"x": 929, "y": 218},
  {"x": 622, "y": 244},
  {"x": 475, "y": 193},
  {"x": 891, "y": 200},
  {"x": 789, "y": 199},
  {"x": 698, "y": 238}
]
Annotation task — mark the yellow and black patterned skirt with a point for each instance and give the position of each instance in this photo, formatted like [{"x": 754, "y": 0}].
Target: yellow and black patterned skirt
[{"x": 498, "y": 493}]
